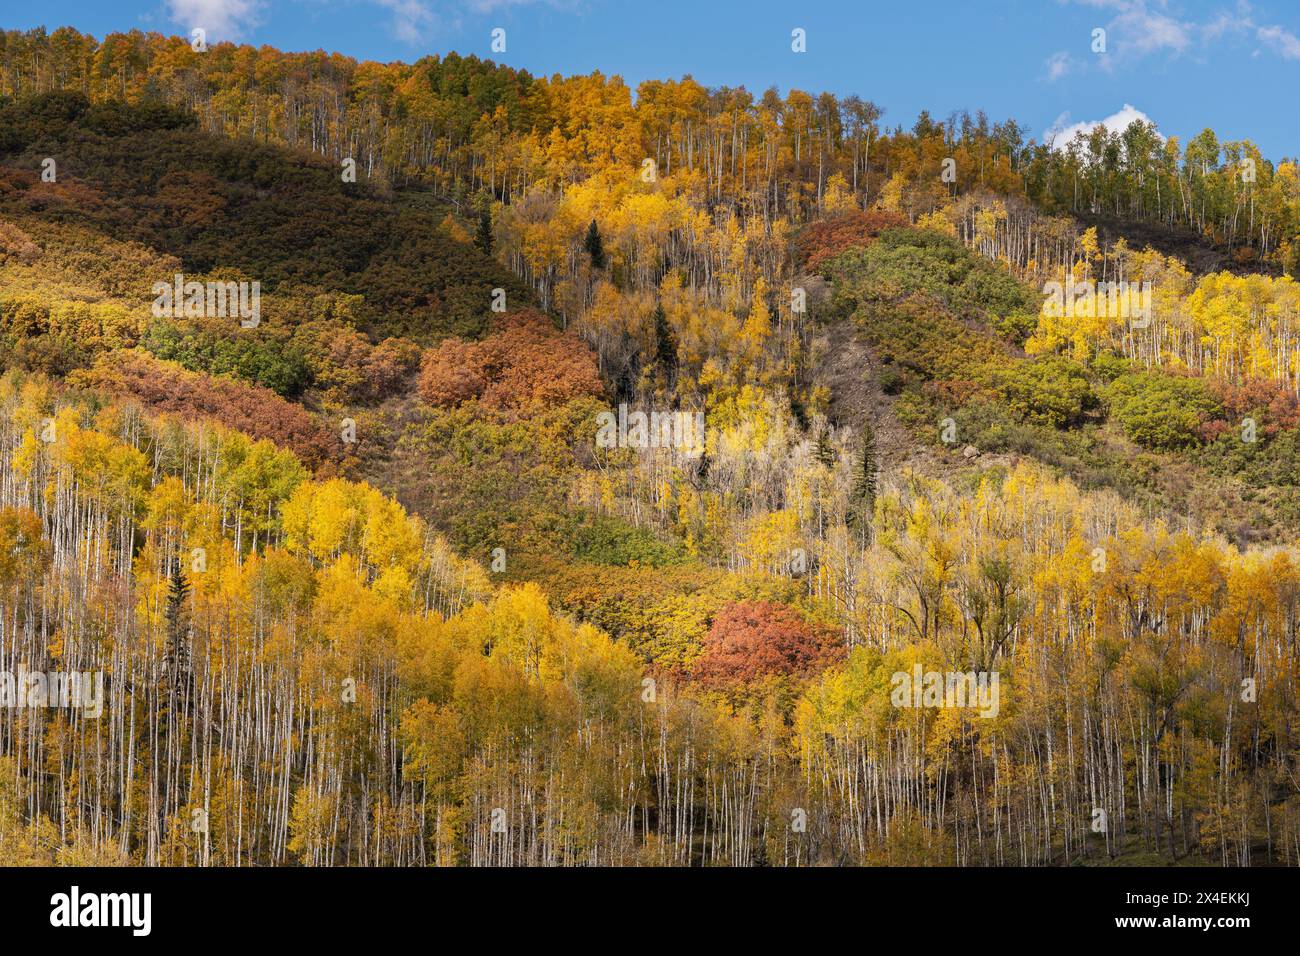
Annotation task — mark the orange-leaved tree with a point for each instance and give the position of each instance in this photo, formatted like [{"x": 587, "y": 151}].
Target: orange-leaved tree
[
  {"x": 524, "y": 365},
  {"x": 755, "y": 639}
]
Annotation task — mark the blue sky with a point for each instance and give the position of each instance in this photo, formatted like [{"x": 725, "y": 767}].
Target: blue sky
[{"x": 1187, "y": 64}]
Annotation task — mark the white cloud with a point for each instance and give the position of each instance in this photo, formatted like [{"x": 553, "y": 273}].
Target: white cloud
[
  {"x": 1283, "y": 41},
  {"x": 1139, "y": 31},
  {"x": 487, "y": 6},
  {"x": 1141, "y": 28},
  {"x": 219, "y": 19},
  {"x": 1229, "y": 23},
  {"x": 1277, "y": 38},
  {"x": 1060, "y": 134},
  {"x": 413, "y": 20},
  {"x": 1058, "y": 65}
]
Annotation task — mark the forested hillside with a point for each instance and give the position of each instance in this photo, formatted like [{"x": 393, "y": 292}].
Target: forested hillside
[{"x": 392, "y": 575}]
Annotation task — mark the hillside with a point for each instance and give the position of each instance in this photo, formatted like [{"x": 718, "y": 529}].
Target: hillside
[
  {"x": 392, "y": 566},
  {"x": 145, "y": 178}
]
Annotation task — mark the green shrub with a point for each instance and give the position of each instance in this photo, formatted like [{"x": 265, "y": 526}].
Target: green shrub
[
  {"x": 253, "y": 356},
  {"x": 1047, "y": 391},
  {"x": 1109, "y": 366},
  {"x": 1161, "y": 412},
  {"x": 600, "y": 539},
  {"x": 906, "y": 261}
]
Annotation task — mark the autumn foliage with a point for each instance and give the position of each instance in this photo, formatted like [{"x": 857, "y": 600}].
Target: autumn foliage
[
  {"x": 1279, "y": 407},
  {"x": 755, "y": 639},
  {"x": 166, "y": 387},
  {"x": 346, "y": 366},
  {"x": 657, "y": 675},
  {"x": 525, "y": 365},
  {"x": 829, "y": 237},
  {"x": 24, "y": 550}
]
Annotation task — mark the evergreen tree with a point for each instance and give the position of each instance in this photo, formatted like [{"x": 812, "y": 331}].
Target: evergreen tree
[
  {"x": 176, "y": 660},
  {"x": 863, "y": 505},
  {"x": 483, "y": 237},
  {"x": 665, "y": 345},
  {"x": 594, "y": 246}
]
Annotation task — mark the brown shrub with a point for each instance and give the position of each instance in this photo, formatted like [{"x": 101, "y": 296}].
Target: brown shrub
[
  {"x": 167, "y": 387},
  {"x": 1273, "y": 401},
  {"x": 755, "y": 639},
  {"x": 346, "y": 367},
  {"x": 525, "y": 365},
  {"x": 17, "y": 245},
  {"x": 827, "y": 238}
]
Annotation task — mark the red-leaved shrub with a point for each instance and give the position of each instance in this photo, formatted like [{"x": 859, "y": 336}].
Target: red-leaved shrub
[
  {"x": 755, "y": 639},
  {"x": 827, "y": 238},
  {"x": 167, "y": 387},
  {"x": 525, "y": 365},
  {"x": 1272, "y": 401}
]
